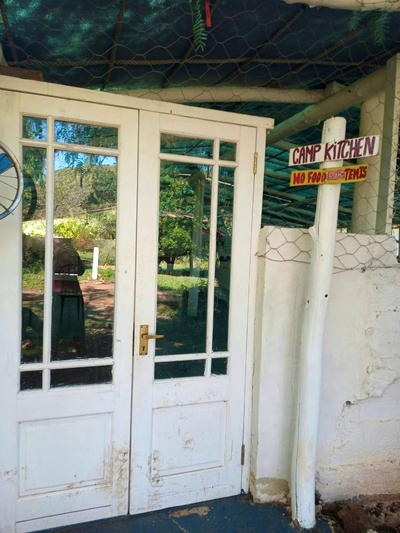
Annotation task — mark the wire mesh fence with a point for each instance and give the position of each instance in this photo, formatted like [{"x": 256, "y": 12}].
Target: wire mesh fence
[
  {"x": 293, "y": 57},
  {"x": 352, "y": 251}
]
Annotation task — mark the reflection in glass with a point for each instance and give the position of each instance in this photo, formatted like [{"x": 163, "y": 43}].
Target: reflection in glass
[
  {"x": 227, "y": 151},
  {"x": 31, "y": 380},
  {"x": 178, "y": 145},
  {"x": 85, "y": 134},
  {"x": 223, "y": 259},
  {"x": 33, "y": 239},
  {"x": 179, "y": 369},
  {"x": 85, "y": 196},
  {"x": 34, "y": 128},
  {"x": 219, "y": 366},
  {"x": 184, "y": 222},
  {"x": 69, "y": 377}
]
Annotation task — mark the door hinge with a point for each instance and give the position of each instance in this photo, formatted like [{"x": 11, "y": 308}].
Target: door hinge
[
  {"x": 242, "y": 455},
  {"x": 255, "y": 162}
]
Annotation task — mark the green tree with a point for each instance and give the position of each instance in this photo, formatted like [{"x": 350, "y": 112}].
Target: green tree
[
  {"x": 182, "y": 212},
  {"x": 176, "y": 210}
]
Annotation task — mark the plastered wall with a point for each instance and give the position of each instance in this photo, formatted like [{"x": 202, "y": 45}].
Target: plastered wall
[{"x": 359, "y": 437}]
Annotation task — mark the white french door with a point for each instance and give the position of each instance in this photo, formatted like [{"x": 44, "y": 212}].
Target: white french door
[
  {"x": 130, "y": 220},
  {"x": 66, "y": 349},
  {"x": 195, "y": 197}
]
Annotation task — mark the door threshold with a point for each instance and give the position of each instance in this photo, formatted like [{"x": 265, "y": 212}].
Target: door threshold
[{"x": 227, "y": 515}]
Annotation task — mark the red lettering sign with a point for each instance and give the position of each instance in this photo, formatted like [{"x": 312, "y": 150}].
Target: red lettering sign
[{"x": 330, "y": 175}]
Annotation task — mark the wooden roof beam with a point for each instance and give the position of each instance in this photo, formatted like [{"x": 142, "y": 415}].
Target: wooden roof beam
[
  {"x": 195, "y": 95},
  {"x": 313, "y": 115},
  {"x": 354, "y": 5}
]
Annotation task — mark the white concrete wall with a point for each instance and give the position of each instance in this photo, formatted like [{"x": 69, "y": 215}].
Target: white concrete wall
[{"x": 359, "y": 438}]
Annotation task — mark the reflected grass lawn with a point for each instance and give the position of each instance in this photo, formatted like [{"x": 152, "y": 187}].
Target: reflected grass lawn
[
  {"x": 34, "y": 278},
  {"x": 179, "y": 283}
]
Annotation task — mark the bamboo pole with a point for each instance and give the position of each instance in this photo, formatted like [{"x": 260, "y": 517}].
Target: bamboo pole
[
  {"x": 187, "y": 95},
  {"x": 354, "y": 5},
  {"x": 352, "y": 95}
]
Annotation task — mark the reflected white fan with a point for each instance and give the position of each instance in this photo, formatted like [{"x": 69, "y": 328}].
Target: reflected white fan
[{"x": 11, "y": 181}]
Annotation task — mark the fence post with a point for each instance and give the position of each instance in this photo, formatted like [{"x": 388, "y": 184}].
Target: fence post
[
  {"x": 95, "y": 266},
  {"x": 365, "y": 195},
  {"x": 390, "y": 148},
  {"x": 323, "y": 235}
]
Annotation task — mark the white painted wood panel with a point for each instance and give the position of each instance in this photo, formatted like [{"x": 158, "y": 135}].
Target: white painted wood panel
[
  {"x": 66, "y": 451},
  {"x": 64, "y": 519},
  {"x": 128, "y": 102},
  {"x": 251, "y": 319},
  {"x": 187, "y": 433},
  {"x": 10, "y": 327}
]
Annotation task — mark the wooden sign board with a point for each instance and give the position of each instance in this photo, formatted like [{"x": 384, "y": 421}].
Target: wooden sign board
[
  {"x": 348, "y": 149},
  {"x": 319, "y": 176}
]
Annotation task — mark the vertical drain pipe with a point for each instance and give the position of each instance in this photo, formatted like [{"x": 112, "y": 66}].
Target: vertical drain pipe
[{"x": 323, "y": 235}]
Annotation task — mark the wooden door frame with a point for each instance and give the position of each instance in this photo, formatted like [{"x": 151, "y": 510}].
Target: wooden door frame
[{"x": 251, "y": 317}]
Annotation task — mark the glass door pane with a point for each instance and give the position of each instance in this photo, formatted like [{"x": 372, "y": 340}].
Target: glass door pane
[
  {"x": 183, "y": 252},
  {"x": 85, "y": 197}
]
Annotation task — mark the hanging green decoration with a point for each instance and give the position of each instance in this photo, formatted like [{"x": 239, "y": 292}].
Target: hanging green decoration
[
  {"x": 380, "y": 25},
  {"x": 199, "y": 32}
]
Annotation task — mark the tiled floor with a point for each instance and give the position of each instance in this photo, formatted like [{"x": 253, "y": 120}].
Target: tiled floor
[{"x": 228, "y": 515}]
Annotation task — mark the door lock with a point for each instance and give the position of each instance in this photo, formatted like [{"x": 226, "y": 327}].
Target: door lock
[{"x": 144, "y": 339}]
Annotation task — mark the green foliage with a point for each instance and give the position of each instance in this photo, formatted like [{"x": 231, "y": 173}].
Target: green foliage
[
  {"x": 34, "y": 197},
  {"x": 380, "y": 25},
  {"x": 85, "y": 187},
  {"x": 85, "y": 194},
  {"x": 380, "y": 28},
  {"x": 106, "y": 223},
  {"x": 199, "y": 32},
  {"x": 82, "y": 184},
  {"x": 104, "y": 274},
  {"x": 33, "y": 276},
  {"x": 167, "y": 311},
  {"x": 106, "y": 251},
  {"x": 180, "y": 284},
  {"x": 71, "y": 228},
  {"x": 174, "y": 236},
  {"x": 32, "y": 279},
  {"x": 176, "y": 199},
  {"x": 73, "y": 133},
  {"x": 355, "y": 19},
  {"x": 33, "y": 253}
]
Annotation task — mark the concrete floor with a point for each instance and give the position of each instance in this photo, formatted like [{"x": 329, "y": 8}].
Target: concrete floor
[{"x": 228, "y": 515}]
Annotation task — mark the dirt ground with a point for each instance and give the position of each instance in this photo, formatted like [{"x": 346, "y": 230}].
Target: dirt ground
[{"x": 362, "y": 516}]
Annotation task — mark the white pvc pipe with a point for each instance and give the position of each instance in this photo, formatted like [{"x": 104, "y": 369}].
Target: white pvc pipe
[
  {"x": 323, "y": 235},
  {"x": 95, "y": 267},
  {"x": 363, "y": 5}
]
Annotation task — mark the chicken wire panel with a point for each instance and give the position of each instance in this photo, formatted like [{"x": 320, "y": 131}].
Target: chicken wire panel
[
  {"x": 150, "y": 45},
  {"x": 248, "y": 43},
  {"x": 352, "y": 251}
]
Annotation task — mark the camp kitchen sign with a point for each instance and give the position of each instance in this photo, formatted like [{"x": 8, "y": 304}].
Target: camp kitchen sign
[{"x": 348, "y": 149}]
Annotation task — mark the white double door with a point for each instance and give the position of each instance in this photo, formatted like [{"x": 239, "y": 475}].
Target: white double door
[{"x": 104, "y": 433}]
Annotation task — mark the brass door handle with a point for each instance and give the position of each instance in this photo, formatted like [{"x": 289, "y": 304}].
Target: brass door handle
[{"x": 144, "y": 338}]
